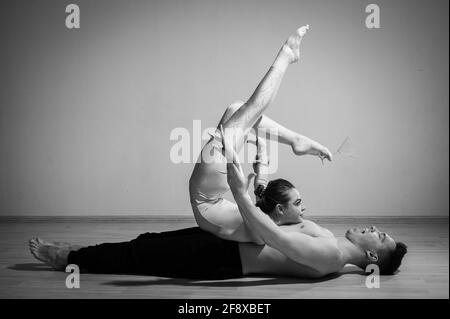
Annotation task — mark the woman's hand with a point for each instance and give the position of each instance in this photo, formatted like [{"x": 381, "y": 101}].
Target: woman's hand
[{"x": 235, "y": 174}]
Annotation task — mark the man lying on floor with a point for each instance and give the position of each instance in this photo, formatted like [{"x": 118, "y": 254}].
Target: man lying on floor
[{"x": 195, "y": 253}]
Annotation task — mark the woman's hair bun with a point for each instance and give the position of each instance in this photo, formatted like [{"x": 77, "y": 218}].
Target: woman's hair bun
[{"x": 259, "y": 191}]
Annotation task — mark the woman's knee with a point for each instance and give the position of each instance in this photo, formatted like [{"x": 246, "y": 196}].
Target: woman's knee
[{"x": 231, "y": 109}]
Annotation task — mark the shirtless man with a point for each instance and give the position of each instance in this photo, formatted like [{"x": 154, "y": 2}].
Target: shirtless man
[
  {"x": 235, "y": 240},
  {"x": 304, "y": 249}
]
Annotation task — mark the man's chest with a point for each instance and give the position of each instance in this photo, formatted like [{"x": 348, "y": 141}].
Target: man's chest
[{"x": 309, "y": 228}]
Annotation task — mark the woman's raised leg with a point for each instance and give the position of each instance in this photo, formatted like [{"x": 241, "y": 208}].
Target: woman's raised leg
[
  {"x": 241, "y": 122},
  {"x": 208, "y": 182}
]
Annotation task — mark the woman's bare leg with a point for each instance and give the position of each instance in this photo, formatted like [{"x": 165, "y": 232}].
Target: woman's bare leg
[
  {"x": 208, "y": 182},
  {"x": 251, "y": 111},
  {"x": 300, "y": 144}
]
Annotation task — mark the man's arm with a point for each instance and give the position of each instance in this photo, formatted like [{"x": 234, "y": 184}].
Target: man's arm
[
  {"x": 261, "y": 167},
  {"x": 299, "y": 247}
]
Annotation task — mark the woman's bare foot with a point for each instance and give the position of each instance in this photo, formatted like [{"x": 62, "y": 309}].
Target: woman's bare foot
[
  {"x": 304, "y": 145},
  {"x": 52, "y": 255},
  {"x": 290, "y": 51}
]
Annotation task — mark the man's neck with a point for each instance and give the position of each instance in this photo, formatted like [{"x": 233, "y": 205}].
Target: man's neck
[{"x": 350, "y": 253}]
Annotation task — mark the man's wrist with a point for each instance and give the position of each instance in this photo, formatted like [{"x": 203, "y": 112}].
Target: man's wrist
[
  {"x": 262, "y": 159},
  {"x": 240, "y": 196},
  {"x": 260, "y": 167}
]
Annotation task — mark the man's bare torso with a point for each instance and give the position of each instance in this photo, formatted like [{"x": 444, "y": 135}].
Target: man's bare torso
[{"x": 267, "y": 260}]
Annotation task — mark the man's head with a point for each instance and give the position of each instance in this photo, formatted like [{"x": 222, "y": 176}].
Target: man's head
[
  {"x": 379, "y": 248},
  {"x": 281, "y": 201}
]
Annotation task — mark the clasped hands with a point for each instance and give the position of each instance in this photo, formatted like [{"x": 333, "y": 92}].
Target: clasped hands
[{"x": 236, "y": 179}]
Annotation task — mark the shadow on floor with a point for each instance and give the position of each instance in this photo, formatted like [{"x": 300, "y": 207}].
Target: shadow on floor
[
  {"x": 244, "y": 282},
  {"x": 31, "y": 267},
  {"x": 260, "y": 281}
]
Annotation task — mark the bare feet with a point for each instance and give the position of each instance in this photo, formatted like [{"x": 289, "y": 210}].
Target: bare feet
[
  {"x": 290, "y": 51},
  {"x": 53, "y": 243},
  {"x": 60, "y": 244},
  {"x": 52, "y": 255},
  {"x": 304, "y": 145}
]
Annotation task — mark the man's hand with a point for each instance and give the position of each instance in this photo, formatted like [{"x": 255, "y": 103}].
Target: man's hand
[
  {"x": 261, "y": 164},
  {"x": 261, "y": 153},
  {"x": 235, "y": 174}
]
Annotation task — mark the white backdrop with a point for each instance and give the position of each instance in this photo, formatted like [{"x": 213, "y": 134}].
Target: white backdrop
[{"x": 86, "y": 114}]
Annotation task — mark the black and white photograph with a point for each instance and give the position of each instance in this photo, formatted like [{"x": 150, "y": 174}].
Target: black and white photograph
[{"x": 238, "y": 151}]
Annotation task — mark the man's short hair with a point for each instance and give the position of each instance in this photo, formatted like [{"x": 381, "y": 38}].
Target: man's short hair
[{"x": 390, "y": 263}]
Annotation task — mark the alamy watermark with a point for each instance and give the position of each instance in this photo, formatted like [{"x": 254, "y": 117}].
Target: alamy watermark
[
  {"x": 187, "y": 147},
  {"x": 73, "y": 280},
  {"x": 73, "y": 17},
  {"x": 373, "y": 278},
  {"x": 373, "y": 19}
]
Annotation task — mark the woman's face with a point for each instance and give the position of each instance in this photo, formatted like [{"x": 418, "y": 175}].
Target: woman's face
[{"x": 292, "y": 211}]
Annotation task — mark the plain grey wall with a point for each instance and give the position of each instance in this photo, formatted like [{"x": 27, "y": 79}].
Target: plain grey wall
[{"x": 86, "y": 114}]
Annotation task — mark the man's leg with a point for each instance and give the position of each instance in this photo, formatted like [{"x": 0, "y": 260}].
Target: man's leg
[
  {"x": 52, "y": 255},
  {"x": 57, "y": 244},
  {"x": 187, "y": 253},
  {"x": 102, "y": 258},
  {"x": 208, "y": 182}
]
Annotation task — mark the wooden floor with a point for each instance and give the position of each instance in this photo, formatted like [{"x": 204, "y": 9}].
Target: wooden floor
[{"x": 424, "y": 274}]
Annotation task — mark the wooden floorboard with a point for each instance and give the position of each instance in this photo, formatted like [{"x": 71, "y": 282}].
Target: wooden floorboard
[{"x": 424, "y": 273}]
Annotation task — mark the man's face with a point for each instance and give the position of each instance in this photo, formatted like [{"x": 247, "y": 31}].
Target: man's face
[
  {"x": 371, "y": 239},
  {"x": 294, "y": 209}
]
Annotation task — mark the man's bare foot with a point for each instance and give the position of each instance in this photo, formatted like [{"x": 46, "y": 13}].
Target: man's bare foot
[
  {"x": 52, "y": 243},
  {"x": 304, "y": 145},
  {"x": 59, "y": 244},
  {"x": 53, "y": 256},
  {"x": 290, "y": 51}
]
